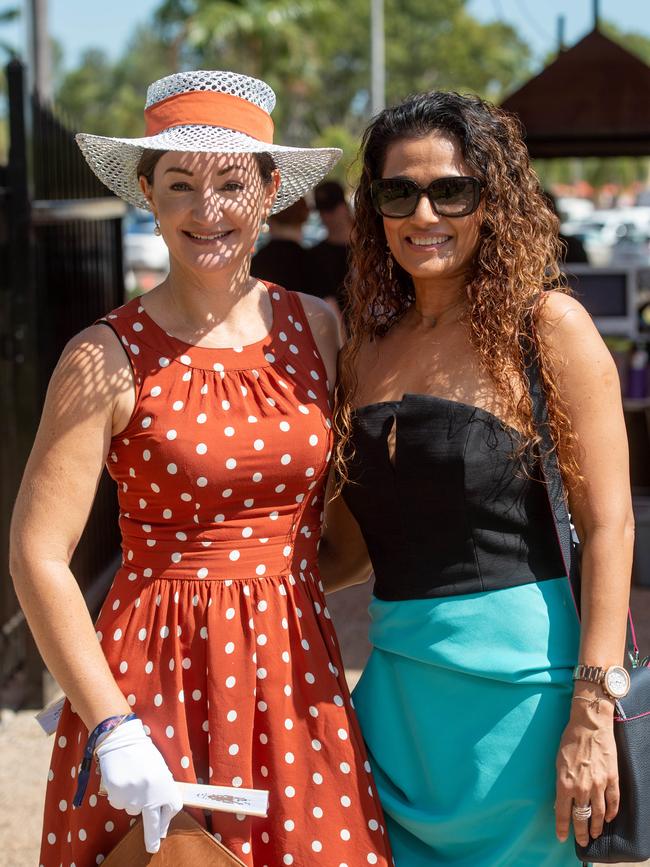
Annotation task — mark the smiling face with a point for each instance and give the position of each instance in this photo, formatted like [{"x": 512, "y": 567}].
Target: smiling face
[
  {"x": 430, "y": 247},
  {"x": 210, "y": 207}
]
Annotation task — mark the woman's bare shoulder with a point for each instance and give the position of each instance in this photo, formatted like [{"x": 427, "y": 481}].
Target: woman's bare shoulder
[
  {"x": 93, "y": 368},
  {"x": 560, "y": 314},
  {"x": 568, "y": 331},
  {"x": 322, "y": 318}
]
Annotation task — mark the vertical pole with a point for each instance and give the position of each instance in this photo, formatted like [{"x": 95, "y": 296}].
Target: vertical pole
[
  {"x": 596, "y": 13},
  {"x": 41, "y": 54},
  {"x": 561, "y": 20},
  {"x": 25, "y": 408},
  {"x": 377, "y": 57}
]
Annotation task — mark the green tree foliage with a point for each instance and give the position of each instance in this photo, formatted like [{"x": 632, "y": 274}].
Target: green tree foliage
[
  {"x": 634, "y": 42},
  {"x": 314, "y": 53},
  {"x": 276, "y": 41},
  {"x": 437, "y": 44},
  {"x": 107, "y": 98},
  {"x": 596, "y": 171},
  {"x": 7, "y": 16},
  {"x": 347, "y": 170}
]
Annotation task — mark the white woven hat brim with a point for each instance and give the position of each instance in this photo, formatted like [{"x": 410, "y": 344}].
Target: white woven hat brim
[{"x": 115, "y": 160}]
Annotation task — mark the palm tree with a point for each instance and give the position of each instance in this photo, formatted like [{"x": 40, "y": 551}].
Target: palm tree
[{"x": 270, "y": 39}]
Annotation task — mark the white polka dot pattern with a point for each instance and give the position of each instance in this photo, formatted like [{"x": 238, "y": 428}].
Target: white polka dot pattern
[{"x": 217, "y": 633}]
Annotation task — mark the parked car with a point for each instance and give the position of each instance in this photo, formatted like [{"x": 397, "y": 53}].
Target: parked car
[
  {"x": 606, "y": 227},
  {"x": 143, "y": 250},
  {"x": 632, "y": 249},
  {"x": 572, "y": 208}
]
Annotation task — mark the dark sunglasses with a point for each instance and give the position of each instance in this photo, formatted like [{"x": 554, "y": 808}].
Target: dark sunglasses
[{"x": 449, "y": 197}]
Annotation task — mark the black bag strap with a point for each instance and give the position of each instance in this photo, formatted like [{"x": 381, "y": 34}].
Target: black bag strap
[
  {"x": 552, "y": 476},
  {"x": 555, "y": 491}
]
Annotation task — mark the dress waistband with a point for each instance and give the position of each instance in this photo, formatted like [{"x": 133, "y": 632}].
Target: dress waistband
[{"x": 222, "y": 559}]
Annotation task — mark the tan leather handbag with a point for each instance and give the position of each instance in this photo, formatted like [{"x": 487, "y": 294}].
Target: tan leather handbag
[{"x": 187, "y": 844}]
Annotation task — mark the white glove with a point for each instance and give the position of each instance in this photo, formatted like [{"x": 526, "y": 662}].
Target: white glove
[{"x": 137, "y": 779}]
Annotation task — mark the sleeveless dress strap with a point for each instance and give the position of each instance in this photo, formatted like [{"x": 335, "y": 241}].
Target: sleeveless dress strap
[
  {"x": 302, "y": 324},
  {"x": 124, "y": 323}
]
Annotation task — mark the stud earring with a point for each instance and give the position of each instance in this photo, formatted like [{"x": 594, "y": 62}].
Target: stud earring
[
  {"x": 156, "y": 228},
  {"x": 264, "y": 227}
]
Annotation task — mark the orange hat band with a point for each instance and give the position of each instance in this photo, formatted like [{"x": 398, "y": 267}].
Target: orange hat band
[{"x": 211, "y": 109}]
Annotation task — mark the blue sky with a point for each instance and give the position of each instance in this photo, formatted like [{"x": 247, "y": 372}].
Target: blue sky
[{"x": 80, "y": 24}]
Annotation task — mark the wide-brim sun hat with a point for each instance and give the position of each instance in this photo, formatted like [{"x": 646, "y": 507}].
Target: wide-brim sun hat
[{"x": 206, "y": 111}]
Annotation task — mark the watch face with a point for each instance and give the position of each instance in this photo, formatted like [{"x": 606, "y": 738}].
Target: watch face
[{"x": 617, "y": 681}]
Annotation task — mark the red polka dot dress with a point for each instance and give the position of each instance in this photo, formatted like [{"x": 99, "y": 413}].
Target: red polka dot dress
[{"x": 216, "y": 628}]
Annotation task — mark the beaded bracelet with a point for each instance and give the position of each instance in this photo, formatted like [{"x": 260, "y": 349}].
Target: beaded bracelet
[{"x": 107, "y": 725}]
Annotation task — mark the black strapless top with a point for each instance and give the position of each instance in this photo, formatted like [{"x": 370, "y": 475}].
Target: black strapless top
[{"x": 456, "y": 512}]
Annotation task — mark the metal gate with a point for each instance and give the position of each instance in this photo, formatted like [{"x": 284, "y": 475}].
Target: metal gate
[{"x": 60, "y": 269}]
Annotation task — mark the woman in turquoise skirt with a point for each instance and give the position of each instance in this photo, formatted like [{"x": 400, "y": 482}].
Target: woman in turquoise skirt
[{"x": 487, "y": 703}]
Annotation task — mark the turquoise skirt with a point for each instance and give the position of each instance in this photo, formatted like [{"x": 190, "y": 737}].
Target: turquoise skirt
[{"x": 462, "y": 705}]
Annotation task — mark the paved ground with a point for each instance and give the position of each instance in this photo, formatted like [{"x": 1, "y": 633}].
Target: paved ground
[{"x": 25, "y": 750}]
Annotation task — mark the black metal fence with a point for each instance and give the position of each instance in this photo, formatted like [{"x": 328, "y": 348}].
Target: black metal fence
[{"x": 60, "y": 269}]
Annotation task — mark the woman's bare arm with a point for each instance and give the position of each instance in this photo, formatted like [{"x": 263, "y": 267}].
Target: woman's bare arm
[
  {"x": 601, "y": 507},
  {"x": 327, "y": 334},
  {"x": 90, "y": 397},
  {"x": 342, "y": 556},
  {"x": 601, "y": 503}
]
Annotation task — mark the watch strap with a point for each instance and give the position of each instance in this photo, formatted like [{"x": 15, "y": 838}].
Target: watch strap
[{"x": 590, "y": 673}]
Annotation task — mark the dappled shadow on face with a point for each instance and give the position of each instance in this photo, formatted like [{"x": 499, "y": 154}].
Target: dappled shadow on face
[{"x": 210, "y": 208}]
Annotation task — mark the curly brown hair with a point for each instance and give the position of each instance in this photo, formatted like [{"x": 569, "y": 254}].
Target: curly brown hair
[{"x": 517, "y": 259}]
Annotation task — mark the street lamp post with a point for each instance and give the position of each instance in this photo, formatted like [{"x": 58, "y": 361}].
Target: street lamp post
[
  {"x": 41, "y": 56},
  {"x": 377, "y": 57}
]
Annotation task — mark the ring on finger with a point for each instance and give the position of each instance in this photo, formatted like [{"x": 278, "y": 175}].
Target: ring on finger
[{"x": 581, "y": 813}]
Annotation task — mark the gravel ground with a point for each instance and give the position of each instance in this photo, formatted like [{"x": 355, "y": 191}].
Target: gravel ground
[{"x": 25, "y": 750}]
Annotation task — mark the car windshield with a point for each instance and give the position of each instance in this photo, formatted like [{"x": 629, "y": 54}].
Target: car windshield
[{"x": 139, "y": 223}]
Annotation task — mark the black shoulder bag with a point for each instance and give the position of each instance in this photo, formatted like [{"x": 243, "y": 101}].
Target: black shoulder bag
[{"x": 627, "y": 837}]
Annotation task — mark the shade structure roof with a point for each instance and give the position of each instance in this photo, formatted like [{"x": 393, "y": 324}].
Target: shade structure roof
[{"x": 593, "y": 100}]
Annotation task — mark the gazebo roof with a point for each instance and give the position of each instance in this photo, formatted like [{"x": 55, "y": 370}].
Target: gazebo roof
[{"x": 593, "y": 100}]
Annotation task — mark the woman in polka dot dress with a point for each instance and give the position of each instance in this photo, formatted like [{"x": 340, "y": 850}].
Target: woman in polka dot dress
[{"x": 209, "y": 401}]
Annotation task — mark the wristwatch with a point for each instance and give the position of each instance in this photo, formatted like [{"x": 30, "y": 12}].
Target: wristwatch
[{"x": 614, "y": 680}]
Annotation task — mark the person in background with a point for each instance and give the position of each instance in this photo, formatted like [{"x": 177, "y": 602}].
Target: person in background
[
  {"x": 282, "y": 259},
  {"x": 572, "y": 247},
  {"x": 328, "y": 261}
]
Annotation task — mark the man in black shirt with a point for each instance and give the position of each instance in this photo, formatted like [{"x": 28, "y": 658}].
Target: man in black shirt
[
  {"x": 574, "y": 250},
  {"x": 327, "y": 262},
  {"x": 282, "y": 259}
]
